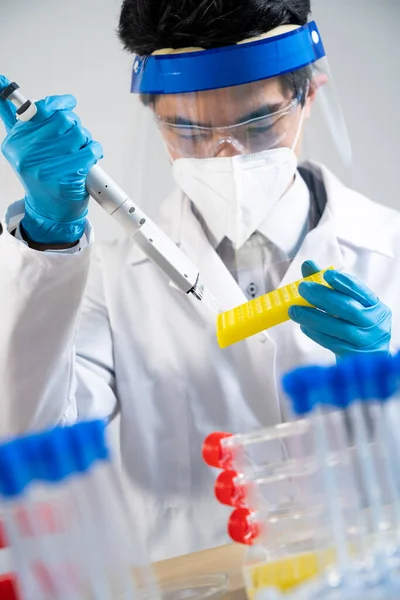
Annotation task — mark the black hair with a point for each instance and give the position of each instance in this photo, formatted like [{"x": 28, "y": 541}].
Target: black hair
[{"x": 149, "y": 25}]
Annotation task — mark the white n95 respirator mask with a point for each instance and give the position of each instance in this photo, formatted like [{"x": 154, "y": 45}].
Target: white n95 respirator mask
[{"x": 235, "y": 194}]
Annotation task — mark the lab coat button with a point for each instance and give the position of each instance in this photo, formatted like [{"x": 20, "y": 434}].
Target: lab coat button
[
  {"x": 252, "y": 290},
  {"x": 263, "y": 338}
]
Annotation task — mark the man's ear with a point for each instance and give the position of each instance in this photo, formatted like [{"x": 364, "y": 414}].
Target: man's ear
[{"x": 319, "y": 80}]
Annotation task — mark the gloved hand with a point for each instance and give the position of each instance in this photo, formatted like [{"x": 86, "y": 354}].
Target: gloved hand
[
  {"x": 347, "y": 319},
  {"x": 51, "y": 154}
]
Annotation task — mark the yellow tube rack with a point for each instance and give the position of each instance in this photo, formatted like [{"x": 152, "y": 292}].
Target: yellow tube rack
[{"x": 262, "y": 313}]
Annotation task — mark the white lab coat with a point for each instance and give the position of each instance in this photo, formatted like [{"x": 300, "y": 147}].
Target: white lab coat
[{"x": 140, "y": 346}]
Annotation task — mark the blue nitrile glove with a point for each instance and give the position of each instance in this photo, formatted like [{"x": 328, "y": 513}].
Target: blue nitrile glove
[
  {"x": 51, "y": 154},
  {"x": 347, "y": 319}
]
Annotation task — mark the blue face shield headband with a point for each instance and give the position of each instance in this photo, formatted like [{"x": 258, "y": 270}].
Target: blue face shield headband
[{"x": 228, "y": 66}]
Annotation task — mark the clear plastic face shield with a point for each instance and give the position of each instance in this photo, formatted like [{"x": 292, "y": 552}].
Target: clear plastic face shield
[{"x": 235, "y": 124}]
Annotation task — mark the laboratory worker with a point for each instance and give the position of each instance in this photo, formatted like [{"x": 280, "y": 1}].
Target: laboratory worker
[{"x": 239, "y": 96}]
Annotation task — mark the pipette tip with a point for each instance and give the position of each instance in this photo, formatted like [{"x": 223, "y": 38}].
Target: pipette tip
[{"x": 204, "y": 295}]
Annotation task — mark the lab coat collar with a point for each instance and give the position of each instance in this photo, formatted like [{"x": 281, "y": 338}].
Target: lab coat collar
[
  {"x": 288, "y": 233},
  {"x": 358, "y": 222},
  {"x": 348, "y": 217},
  {"x": 321, "y": 245},
  {"x": 296, "y": 202}
]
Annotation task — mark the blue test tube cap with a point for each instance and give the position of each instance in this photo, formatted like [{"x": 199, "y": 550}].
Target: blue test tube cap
[
  {"x": 14, "y": 470},
  {"x": 98, "y": 436},
  {"x": 34, "y": 455},
  {"x": 305, "y": 387},
  {"x": 396, "y": 368},
  {"x": 88, "y": 445},
  {"x": 75, "y": 449},
  {"x": 364, "y": 378},
  {"x": 342, "y": 388},
  {"x": 52, "y": 456},
  {"x": 377, "y": 376},
  {"x": 58, "y": 458}
]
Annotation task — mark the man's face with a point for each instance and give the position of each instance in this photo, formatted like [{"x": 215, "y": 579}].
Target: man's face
[{"x": 227, "y": 122}]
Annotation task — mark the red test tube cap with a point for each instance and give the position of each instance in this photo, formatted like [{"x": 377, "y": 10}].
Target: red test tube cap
[
  {"x": 3, "y": 538},
  {"x": 213, "y": 454},
  {"x": 8, "y": 590},
  {"x": 241, "y": 528},
  {"x": 227, "y": 491}
]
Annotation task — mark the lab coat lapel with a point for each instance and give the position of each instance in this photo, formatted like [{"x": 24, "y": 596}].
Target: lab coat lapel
[
  {"x": 347, "y": 219},
  {"x": 320, "y": 245},
  {"x": 213, "y": 273},
  {"x": 323, "y": 247},
  {"x": 254, "y": 359}
]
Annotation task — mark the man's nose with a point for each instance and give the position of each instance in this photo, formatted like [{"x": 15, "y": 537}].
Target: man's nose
[{"x": 228, "y": 147}]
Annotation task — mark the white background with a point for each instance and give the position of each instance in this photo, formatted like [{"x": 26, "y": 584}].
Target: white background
[{"x": 58, "y": 46}]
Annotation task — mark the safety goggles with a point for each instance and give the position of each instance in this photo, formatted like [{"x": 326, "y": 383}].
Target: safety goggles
[{"x": 252, "y": 134}]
